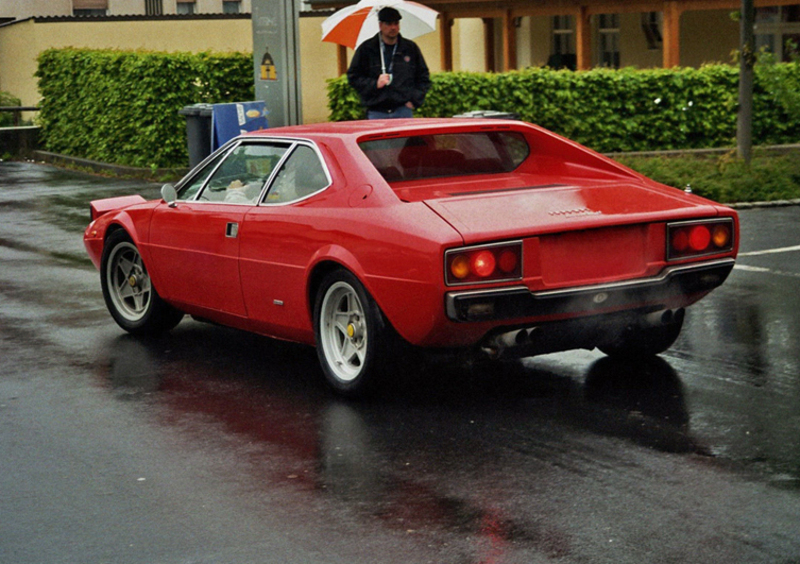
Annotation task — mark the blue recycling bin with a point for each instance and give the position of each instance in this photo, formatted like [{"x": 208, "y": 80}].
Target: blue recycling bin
[{"x": 209, "y": 126}]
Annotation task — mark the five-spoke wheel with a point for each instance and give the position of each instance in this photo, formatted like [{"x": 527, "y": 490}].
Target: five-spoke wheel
[
  {"x": 354, "y": 341},
  {"x": 129, "y": 294}
]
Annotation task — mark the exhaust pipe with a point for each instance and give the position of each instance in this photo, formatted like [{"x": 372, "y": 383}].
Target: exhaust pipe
[{"x": 663, "y": 317}]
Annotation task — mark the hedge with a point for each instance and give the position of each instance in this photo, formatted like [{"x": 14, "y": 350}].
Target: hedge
[
  {"x": 122, "y": 106},
  {"x": 617, "y": 110},
  {"x": 6, "y": 99}
]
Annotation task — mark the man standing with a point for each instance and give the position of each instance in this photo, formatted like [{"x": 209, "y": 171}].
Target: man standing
[{"x": 389, "y": 71}]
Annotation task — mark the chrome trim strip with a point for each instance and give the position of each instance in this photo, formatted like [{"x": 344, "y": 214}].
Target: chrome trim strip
[
  {"x": 640, "y": 282},
  {"x": 451, "y": 297}
]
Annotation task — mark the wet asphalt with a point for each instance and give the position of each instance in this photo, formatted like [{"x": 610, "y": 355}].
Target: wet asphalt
[{"x": 211, "y": 445}]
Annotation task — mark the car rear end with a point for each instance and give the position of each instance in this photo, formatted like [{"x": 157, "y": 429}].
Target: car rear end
[{"x": 562, "y": 248}]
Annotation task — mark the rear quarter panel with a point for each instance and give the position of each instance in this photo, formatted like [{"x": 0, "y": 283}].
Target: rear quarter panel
[{"x": 396, "y": 251}]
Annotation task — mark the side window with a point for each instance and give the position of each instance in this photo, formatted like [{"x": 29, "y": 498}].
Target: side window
[
  {"x": 190, "y": 189},
  {"x": 301, "y": 175},
  {"x": 243, "y": 173}
]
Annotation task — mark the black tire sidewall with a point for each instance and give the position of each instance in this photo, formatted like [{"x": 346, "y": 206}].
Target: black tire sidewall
[
  {"x": 376, "y": 336},
  {"x": 159, "y": 316}
]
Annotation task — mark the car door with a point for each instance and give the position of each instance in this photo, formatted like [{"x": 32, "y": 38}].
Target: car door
[
  {"x": 195, "y": 240},
  {"x": 279, "y": 238}
]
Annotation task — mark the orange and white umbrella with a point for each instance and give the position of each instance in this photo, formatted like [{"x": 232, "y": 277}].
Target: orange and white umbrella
[{"x": 353, "y": 25}]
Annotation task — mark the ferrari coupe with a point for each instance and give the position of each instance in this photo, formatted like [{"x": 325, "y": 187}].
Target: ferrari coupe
[{"x": 375, "y": 240}]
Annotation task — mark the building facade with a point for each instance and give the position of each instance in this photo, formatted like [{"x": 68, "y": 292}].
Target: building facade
[
  {"x": 20, "y": 9},
  {"x": 478, "y": 36},
  {"x": 582, "y": 34}
]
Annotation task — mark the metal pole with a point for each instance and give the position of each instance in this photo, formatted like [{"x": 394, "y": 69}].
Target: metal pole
[
  {"x": 276, "y": 59},
  {"x": 744, "y": 126}
]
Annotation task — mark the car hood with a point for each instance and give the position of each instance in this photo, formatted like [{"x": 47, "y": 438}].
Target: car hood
[{"x": 538, "y": 210}]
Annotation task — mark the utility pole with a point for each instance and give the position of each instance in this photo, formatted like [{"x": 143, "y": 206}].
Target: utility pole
[
  {"x": 747, "y": 57},
  {"x": 276, "y": 59}
]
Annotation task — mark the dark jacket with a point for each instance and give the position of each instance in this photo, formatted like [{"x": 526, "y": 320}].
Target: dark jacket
[{"x": 410, "y": 76}]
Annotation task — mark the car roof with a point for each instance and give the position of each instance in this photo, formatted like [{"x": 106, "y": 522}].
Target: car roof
[{"x": 387, "y": 128}]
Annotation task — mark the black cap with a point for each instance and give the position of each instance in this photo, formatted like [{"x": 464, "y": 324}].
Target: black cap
[{"x": 389, "y": 15}]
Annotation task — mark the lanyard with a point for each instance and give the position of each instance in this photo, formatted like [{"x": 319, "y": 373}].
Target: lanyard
[{"x": 391, "y": 61}]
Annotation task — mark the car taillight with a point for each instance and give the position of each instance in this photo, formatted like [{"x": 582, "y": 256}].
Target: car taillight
[
  {"x": 485, "y": 263},
  {"x": 698, "y": 238}
]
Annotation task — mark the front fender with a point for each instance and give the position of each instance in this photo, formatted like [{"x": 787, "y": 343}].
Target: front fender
[{"x": 134, "y": 220}]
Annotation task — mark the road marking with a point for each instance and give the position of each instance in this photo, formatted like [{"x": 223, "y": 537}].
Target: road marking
[
  {"x": 761, "y": 269},
  {"x": 770, "y": 251},
  {"x": 750, "y": 268}
]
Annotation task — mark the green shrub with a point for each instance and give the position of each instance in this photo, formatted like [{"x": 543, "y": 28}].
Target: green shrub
[
  {"x": 615, "y": 110},
  {"x": 6, "y": 99},
  {"x": 725, "y": 178},
  {"x": 122, "y": 106}
]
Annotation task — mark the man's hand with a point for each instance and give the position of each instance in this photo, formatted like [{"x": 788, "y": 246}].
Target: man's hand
[{"x": 384, "y": 80}]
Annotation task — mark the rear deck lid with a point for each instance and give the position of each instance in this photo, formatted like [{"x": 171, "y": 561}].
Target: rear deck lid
[{"x": 539, "y": 210}]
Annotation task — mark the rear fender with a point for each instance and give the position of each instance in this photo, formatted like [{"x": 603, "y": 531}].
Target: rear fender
[
  {"x": 324, "y": 260},
  {"x": 414, "y": 324}
]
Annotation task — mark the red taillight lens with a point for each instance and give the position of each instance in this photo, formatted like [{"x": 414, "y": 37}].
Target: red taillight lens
[
  {"x": 483, "y": 264},
  {"x": 508, "y": 261},
  {"x": 490, "y": 263},
  {"x": 680, "y": 240},
  {"x": 699, "y": 238}
]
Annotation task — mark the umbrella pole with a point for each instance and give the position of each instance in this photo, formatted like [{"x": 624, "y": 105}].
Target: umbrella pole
[{"x": 341, "y": 59}]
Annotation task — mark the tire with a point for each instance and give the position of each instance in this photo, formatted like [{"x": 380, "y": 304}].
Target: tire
[
  {"x": 638, "y": 343},
  {"x": 128, "y": 292},
  {"x": 355, "y": 344}
]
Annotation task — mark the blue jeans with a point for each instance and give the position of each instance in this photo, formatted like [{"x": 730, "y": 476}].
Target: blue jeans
[{"x": 401, "y": 112}]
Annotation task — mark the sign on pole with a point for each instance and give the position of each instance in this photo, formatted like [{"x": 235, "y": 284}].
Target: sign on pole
[{"x": 276, "y": 59}]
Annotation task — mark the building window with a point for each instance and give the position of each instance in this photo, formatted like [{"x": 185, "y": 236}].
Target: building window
[
  {"x": 89, "y": 7},
  {"x": 608, "y": 40},
  {"x": 777, "y": 30},
  {"x": 154, "y": 7},
  {"x": 89, "y": 12},
  {"x": 651, "y": 27},
  {"x": 186, "y": 7},
  {"x": 231, "y": 6},
  {"x": 562, "y": 54},
  {"x": 563, "y": 36}
]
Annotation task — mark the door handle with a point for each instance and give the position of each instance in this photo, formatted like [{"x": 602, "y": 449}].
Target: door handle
[{"x": 232, "y": 230}]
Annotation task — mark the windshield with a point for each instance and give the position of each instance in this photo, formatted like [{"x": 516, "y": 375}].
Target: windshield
[{"x": 451, "y": 154}]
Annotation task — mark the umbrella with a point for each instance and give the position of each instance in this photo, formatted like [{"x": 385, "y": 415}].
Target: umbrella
[{"x": 352, "y": 25}]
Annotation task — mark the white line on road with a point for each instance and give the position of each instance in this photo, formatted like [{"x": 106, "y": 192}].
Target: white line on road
[
  {"x": 750, "y": 268},
  {"x": 747, "y": 268},
  {"x": 770, "y": 251}
]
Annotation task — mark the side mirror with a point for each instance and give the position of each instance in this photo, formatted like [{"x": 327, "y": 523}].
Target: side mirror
[{"x": 169, "y": 195}]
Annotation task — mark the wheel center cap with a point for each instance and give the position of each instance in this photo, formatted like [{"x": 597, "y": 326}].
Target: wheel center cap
[
  {"x": 351, "y": 330},
  {"x": 132, "y": 280}
]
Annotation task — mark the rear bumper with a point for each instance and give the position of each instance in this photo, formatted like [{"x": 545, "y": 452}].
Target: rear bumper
[{"x": 673, "y": 283}]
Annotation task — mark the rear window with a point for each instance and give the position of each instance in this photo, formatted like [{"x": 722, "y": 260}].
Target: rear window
[{"x": 451, "y": 154}]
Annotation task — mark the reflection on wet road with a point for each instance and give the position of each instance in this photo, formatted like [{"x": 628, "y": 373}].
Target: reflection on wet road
[{"x": 212, "y": 445}]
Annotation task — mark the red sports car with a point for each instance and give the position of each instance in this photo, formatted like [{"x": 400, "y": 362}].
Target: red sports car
[{"x": 369, "y": 238}]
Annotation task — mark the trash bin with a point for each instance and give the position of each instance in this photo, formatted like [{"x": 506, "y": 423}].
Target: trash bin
[
  {"x": 235, "y": 118},
  {"x": 488, "y": 114},
  {"x": 198, "y": 131}
]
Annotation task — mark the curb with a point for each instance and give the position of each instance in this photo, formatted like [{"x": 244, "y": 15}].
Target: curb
[
  {"x": 158, "y": 174},
  {"x": 773, "y": 204}
]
